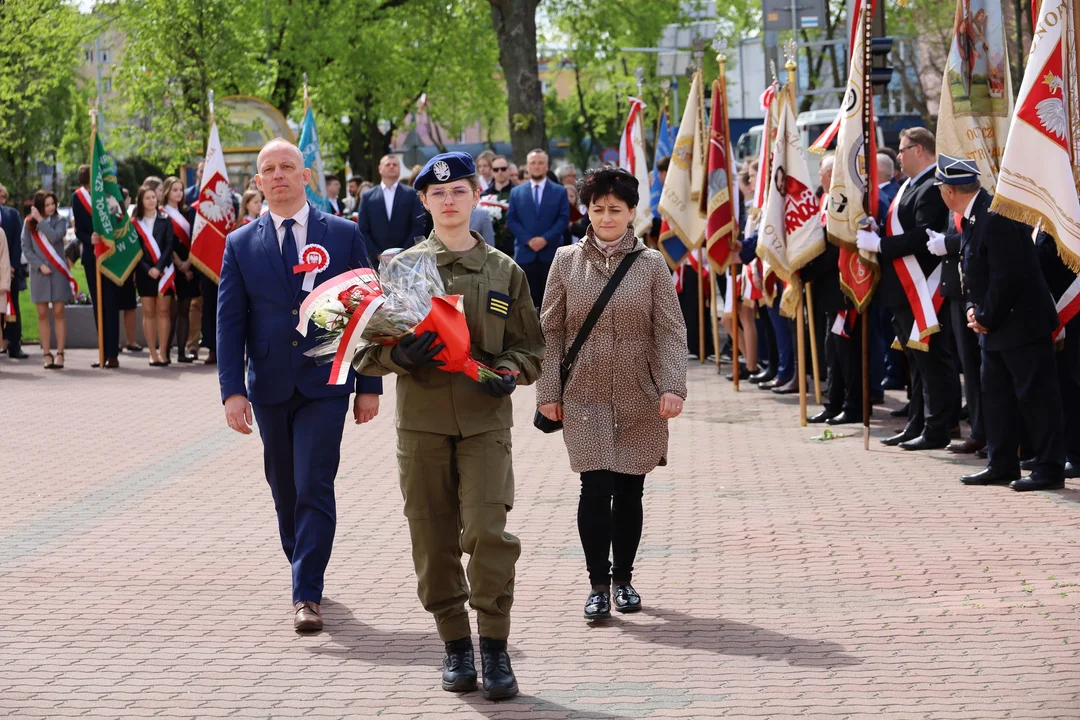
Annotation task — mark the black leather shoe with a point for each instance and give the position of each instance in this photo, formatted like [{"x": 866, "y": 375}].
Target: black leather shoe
[
  {"x": 762, "y": 376},
  {"x": 924, "y": 443},
  {"x": 789, "y": 388},
  {"x": 823, "y": 416},
  {"x": 183, "y": 357},
  {"x": 1027, "y": 464},
  {"x": 459, "y": 669},
  {"x": 598, "y": 606},
  {"x": 982, "y": 453},
  {"x": 771, "y": 384},
  {"x": 627, "y": 599},
  {"x": 1071, "y": 471},
  {"x": 744, "y": 372},
  {"x": 844, "y": 418},
  {"x": 1036, "y": 482},
  {"x": 967, "y": 446},
  {"x": 901, "y": 412},
  {"x": 897, "y": 439},
  {"x": 17, "y": 354},
  {"x": 499, "y": 680},
  {"x": 990, "y": 476}
]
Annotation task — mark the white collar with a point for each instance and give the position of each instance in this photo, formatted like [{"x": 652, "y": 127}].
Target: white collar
[
  {"x": 538, "y": 183},
  {"x": 389, "y": 188},
  {"x": 927, "y": 169},
  {"x": 970, "y": 207},
  {"x": 301, "y": 217}
]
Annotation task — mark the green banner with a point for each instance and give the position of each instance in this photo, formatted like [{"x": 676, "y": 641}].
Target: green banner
[{"x": 111, "y": 220}]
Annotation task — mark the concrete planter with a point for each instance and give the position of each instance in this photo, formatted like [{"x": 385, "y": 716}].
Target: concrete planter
[{"x": 82, "y": 329}]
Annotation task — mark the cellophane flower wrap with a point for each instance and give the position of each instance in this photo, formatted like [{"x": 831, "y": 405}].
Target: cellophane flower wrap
[{"x": 359, "y": 308}]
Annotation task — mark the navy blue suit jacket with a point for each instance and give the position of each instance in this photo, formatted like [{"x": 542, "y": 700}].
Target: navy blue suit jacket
[
  {"x": 406, "y": 222},
  {"x": 549, "y": 222},
  {"x": 257, "y": 313},
  {"x": 12, "y": 224}
]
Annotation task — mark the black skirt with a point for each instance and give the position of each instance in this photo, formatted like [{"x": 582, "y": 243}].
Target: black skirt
[
  {"x": 126, "y": 298},
  {"x": 146, "y": 285},
  {"x": 187, "y": 289}
]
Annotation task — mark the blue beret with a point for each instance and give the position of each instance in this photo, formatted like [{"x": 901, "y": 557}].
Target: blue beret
[
  {"x": 956, "y": 171},
  {"x": 444, "y": 168}
]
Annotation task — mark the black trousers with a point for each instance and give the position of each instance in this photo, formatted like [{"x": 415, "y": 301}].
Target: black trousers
[
  {"x": 110, "y": 308},
  {"x": 536, "y": 273},
  {"x": 688, "y": 305},
  {"x": 935, "y": 378},
  {"x": 1068, "y": 371},
  {"x": 13, "y": 329},
  {"x": 208, "y": 288},
  {"x": 967, "y": 346},
  {"x": 844, "y": 357},
  {"x": 609, "y": 520},
  {"x": 1022, "y": 383}
]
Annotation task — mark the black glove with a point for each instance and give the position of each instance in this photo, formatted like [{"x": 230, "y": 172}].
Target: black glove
[
  {"x": 500, "y": 386},
  {"x": 416, "y": 351}
]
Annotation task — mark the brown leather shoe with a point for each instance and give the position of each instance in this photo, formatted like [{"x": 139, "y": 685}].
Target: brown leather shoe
[
  {"x": 308, "y": 617},
  {"x": 966, "y": 447}
]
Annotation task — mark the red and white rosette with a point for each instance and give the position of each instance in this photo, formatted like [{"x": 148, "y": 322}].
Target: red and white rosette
[
  {"x": 313, "y": 260},
  {"x": 55, "y": 261},
  {"x": 349, "y": 340}
]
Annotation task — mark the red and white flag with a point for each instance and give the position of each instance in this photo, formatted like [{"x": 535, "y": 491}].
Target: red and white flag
[
  {"x": 214, "y": 214},
  {"x": 1038, "y": 182},
  {"x": 632, "y": 159}
]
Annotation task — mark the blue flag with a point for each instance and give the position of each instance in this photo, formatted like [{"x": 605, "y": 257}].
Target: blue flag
[
  {"x": 664, "y": 145},
  {"x": 309, "y": 146}
]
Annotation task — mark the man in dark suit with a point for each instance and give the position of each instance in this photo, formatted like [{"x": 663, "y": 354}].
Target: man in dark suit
[
  {"x": 390, "y": 214},
  {"x": 333, "y": 189},
  {"x": 887, "y": 185},
  {"x": 1013, "y": 312},
  {"x": 12, "y": 224},
  {"x": 191, "y": 192},
  {"x": 907, "y": 290},
  {"x": 300, "y": 415},
  {"x": 109, "y": 293},
  {"x": 538, "y": 217}
]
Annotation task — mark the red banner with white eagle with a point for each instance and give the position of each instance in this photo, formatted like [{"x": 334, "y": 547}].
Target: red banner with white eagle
[{"x": 214, "y": 211}]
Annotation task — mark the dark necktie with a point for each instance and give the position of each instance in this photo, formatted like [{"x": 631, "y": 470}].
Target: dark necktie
[
  {"x": 536, "y": 197},
  {"x": 289, "y": 256}
]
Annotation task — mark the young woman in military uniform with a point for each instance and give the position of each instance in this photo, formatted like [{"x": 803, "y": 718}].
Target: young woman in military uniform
[{"x": 454, "y": 449}]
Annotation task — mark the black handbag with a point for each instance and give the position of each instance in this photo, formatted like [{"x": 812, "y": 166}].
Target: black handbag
[{"x": 542, "y": 423}]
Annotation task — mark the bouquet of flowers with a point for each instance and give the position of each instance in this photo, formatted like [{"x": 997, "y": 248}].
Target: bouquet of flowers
[
  {"x": 359, "y": 308},
  {"x": 493, "y": 207}
]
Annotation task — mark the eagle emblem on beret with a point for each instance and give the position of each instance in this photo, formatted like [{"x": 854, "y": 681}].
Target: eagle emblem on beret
[{"x": 441, "y": 170}]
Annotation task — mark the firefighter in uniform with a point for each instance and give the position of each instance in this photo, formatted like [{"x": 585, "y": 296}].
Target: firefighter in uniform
[{"x": 454, "y": 448}]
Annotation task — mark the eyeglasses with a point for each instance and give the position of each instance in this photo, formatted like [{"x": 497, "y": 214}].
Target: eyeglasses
[
  {"x": 500, "y": 169},
  {"x": 440, "y": 195},
  {"x": 901, "y": 151}
]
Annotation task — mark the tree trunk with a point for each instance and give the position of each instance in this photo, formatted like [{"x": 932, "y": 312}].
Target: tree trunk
[{"x": 515, "y": 26}]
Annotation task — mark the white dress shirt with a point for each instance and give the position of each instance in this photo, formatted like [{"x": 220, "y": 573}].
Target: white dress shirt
[
  {"x": 970, "y": 207},
  {"x": 299, "y": 229},
  {"x": 388, "y": 198}
]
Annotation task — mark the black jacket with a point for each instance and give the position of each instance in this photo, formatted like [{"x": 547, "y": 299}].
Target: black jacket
[
  {"x": 920, "y": 208},
  {"x": 163, "y": 233},
  {"x": 1004, "y": 280}
]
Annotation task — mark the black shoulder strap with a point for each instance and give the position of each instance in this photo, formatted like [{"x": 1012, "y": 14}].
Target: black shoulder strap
[{"x": 594, "y": 314}]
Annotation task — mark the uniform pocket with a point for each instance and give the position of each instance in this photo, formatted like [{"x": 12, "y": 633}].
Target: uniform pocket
[{"x": 499, "y": 484}]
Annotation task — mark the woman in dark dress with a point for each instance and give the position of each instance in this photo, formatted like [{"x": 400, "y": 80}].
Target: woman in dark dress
[
  {"x": 181, "y": 218},
  {"x": 155, "y": 275}
]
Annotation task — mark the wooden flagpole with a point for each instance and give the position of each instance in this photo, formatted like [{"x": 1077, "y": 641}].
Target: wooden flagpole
[
  {"x": 813, "y": 341},
  {"x": 800, "y": 319},
  {"x": 733, "y": 290},
  {"x": 715, "y": 320},
  {"x": 701, "y": 304},
  {"x": 97, "y": 261}
]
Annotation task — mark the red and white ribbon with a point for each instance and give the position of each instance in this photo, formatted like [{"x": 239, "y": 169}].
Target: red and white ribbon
[
  {"x": 922, "y": 293},
  {"x": 180, "y": 225},
  {"x": 84, "y": 197},
  {"x": 314, "y": 259},
  {"x": 9, "y": 306},
  {"x": 168, "y": 275},
  {"x": 352, "y": 335},
  {"x": 1068, "y": 305},
  {"x": 54, "y": 259}
]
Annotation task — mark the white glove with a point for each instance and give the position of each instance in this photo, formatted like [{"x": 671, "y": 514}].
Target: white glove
[
  {"x": 868, "y": 241},
  {"x": 936, "y": 243}
]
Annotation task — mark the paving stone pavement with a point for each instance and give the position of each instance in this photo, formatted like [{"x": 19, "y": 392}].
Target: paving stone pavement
[{"x": 141, "y": 575}]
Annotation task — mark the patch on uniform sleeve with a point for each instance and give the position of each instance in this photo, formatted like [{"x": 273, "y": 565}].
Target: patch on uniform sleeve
[{"x": 498, "y": 304}]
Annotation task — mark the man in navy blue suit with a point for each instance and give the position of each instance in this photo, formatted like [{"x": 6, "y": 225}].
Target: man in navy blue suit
[
  {"x": 390, "y": 214},
  {"x": 300, "y": 416},
  {"x": 12, "y": 224},
  {"x": 538, "y": 217}
]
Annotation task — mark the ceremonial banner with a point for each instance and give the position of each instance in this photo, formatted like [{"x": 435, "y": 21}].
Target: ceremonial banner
[
  {"x": 632, "y": 159},
  {"x": 309, "y": 147},
  {"x": 790, "y": 233},
  {"x": 214, "y": 214},
  {"x": 679, "y": 202},
  {"x": 976, "y": 90},
  {"x": 854, "y": 177},
  {"x": 819, "y": 146},
  {"x": 1040, "y": 171},
  {"x": 664, "y": 145},
  {"x": 122, "y": 247},
  {"x": 718, "y": 198}
]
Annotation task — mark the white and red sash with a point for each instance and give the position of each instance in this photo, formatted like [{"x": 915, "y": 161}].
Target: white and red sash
[
  {"x": 168, "y": 275},
  {"x": 84, "y": 197},
  {"x": 55, "y": 261},
  {"x": 180, "y": 225},
  {"x": 1068, "y": 305},
  {"x": 9, "y": 306},
  {"x": 923, "y": 294}
]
